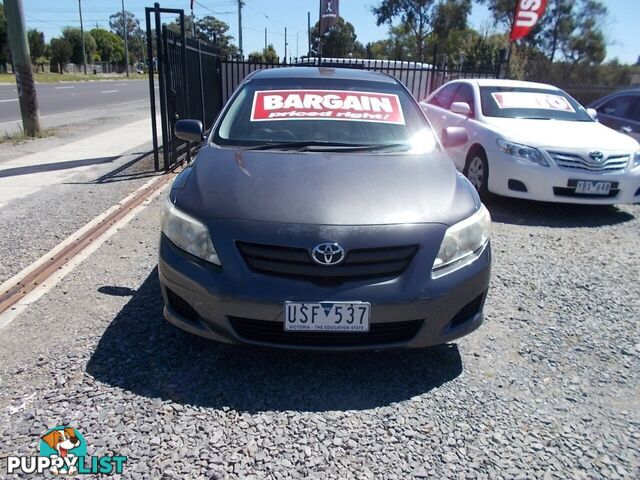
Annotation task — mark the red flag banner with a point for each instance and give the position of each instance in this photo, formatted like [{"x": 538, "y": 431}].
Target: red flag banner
[
  {"x": 329, "y": 13},
  {"x": 528, "y": 13}
]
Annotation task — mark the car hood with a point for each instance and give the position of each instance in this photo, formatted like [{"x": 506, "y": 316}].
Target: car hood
[
  {"x": 324, "y": 188},
  {"x": 562, "y": 134}
]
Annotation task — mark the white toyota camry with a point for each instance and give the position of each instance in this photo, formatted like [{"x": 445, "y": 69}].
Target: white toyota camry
[{"x": 531, "y": 140}]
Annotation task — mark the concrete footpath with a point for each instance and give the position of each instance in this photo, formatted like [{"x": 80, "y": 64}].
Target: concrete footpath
[{"x": 30, "y": 173}]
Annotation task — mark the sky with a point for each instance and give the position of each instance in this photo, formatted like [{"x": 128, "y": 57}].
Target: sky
[{"x": 51, "y": 16}]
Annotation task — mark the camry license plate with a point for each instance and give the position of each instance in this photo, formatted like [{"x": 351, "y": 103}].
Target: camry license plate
[
  {"x": 593, "y": 188},
  {"x": 327, "y": 316}
]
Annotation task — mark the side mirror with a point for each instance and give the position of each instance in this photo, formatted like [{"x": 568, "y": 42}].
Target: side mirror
[
  {"x": 461, "y": 108},
  {"x": 593, "y": 113},
  {"x": 454, "y": 137},
  {"x": 189, "y": 130}
]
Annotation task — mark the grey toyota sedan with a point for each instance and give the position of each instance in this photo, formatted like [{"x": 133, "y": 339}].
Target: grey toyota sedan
[{"x": 321, "y": 212}]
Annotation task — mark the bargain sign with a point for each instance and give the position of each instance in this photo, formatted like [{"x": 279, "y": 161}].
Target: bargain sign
[{"x": 346, "y": 105}]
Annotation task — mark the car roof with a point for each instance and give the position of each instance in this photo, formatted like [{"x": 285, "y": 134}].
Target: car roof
[
  {"x": 323, "y": 72},
  {"x": 496, "y": 82}
]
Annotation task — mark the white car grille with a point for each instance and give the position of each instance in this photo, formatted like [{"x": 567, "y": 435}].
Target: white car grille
[{"x": 572, "y": 161}]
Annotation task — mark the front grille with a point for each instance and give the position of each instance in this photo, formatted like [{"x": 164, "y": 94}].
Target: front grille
[
  {"x": 571, "y": 161},
  {"x": 273, "y": 332},
  {"x": 297, "y": 262}
]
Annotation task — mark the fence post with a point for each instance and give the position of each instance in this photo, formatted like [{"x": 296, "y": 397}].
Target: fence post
[
  {"x": 433, "y": 68},
  {"x": 501, "y": 71},
  {"x": 152, "y": 91},
  {"x": 161, "y": 82},
  {"x": 204, "y": 115}
]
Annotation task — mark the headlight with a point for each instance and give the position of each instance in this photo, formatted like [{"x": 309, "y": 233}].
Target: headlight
[
  {"x": 522, "y": 151},
  {"x": 187, "y": 233},
  {"x": 463, "y": 243},
  {"x": 636, "y": 159}
]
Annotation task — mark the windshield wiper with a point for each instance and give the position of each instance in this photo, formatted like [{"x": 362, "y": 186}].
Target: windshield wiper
[
  {"x": 534, "y": 118},
  {"x": 295, "y": 145},
  {"x": 325, "y": 146}
]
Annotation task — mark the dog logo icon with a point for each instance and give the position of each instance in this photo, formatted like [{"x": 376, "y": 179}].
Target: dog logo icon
[{"x": 65, "y": 443}]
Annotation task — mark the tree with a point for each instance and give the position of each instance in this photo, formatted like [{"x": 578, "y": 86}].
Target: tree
[
  {"x": 569, "y": 29},
  {"x": 450, "y": 15},
  {"x": 268, "y": 55},
  {"x": 37, "y": 45},
  {"x": 109, "y": 46},
  {"x": 340, "y": 41},
  {"x": 74, "y": 37},
  {"x": 414, "y": 15},
  {"x": 209, "y": 29},
  {"x": 5, "y": 52},
  {"x": 61, "y": 51},
  {"x": 135, "y": 35},
  {"x": 588, "y": 44},
  {"x": 213, "y": 30},
  {"x": 559, "y": 25}
]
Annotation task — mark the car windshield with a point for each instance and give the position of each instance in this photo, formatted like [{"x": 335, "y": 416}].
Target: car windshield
[
  {"x": 321, "y": 114},
  {"x": 531, "y": 103}
]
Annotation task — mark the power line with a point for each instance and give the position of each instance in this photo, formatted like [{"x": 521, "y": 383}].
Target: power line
[{"x": 273, "y": 21}]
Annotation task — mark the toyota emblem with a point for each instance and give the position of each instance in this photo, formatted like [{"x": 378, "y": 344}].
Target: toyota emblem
[
  {"x": 596, "y": 156},
  {"x": 328, "y": 254}
]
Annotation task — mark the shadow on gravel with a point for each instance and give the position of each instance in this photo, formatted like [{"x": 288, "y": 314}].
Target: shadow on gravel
[
  {"x": 142, "y": 353},
  {"x": 52, "y": 167},
  {"x": 140, "y": 166},
  {"x": 556, "y": 215}
]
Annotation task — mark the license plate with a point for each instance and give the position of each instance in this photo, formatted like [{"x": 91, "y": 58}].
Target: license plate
[
  {"x": 593, "y": 188},
  {"x": 326, "y": 317}
]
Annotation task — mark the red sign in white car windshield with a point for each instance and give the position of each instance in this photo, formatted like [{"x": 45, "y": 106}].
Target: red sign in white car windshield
[
  {"x": 343, "y": 105},
  {"x": 546, "y": 101}
]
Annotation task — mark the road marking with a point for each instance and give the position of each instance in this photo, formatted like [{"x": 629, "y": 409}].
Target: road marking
[
  {"x": 63, "y": 88},
  {"x": 121, "y": 84},
  {"x": 108, "y": 91},
  {"x": 10, "y": 100},
  {"x": 23, "y": 289}
]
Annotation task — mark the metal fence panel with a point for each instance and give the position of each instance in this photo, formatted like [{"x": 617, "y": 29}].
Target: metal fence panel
[{"x": 195, "y": 82}]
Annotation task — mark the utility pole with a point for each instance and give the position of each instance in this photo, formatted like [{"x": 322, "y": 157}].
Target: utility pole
[
  {"x": 193, "y": 21},
  {"x": 309, "y": 33},
  {"x": 297, "y": 45},
  {"x": 84, "y": 54},
  {"x": 285, "y": 45},
  {"x": 22, "y": 66},
  {"x": 240, "y": 27},
  {"x": 126, "y": 42}
]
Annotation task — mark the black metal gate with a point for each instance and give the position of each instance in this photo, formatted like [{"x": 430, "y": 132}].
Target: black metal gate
[
  {"x": 194, "y": 82},
  {"x": 189, "y": 83}
]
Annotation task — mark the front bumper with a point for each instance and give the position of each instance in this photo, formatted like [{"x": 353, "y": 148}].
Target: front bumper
[
  {"x": 216, "y": 303},
  {"x": 555, "y": 184}
]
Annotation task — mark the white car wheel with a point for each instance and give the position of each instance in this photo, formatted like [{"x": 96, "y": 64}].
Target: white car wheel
[{"x": 475, "y": 173}]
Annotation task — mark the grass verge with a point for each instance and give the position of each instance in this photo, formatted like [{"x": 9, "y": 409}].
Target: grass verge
[{"x": 22, "y": 137}]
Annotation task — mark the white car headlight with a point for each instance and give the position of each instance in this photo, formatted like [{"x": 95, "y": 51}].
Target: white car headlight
[
  {"x": 636, "y": 159},
  {"x": 187, "y": 233},
  {"x": 463, "y": 243},
  {"x": 522, "y": 151}
]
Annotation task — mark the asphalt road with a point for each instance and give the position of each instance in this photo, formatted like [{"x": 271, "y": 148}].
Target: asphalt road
[{"x": 61, "y": 98}]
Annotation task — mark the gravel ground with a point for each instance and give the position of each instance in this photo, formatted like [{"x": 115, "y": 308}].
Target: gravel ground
[{"x": 547, "y": 388}]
